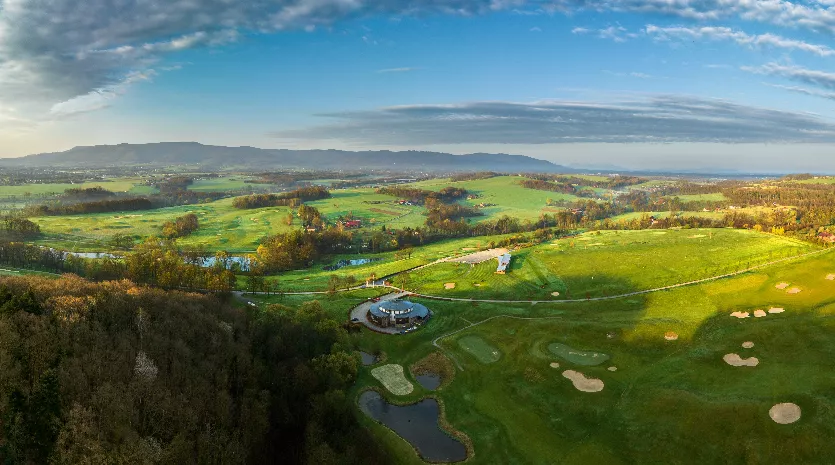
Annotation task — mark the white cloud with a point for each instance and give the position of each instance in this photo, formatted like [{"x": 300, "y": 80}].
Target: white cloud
[
  {"x": 725, "y": 33},
  {"x": 615, "y": 33},
  {"x": 805, "y": 91},
  {"x": 57, "y": 50},
  {"x": 795, "y": 73},
  {"x": 99, "y": 98},
  {"x": 663, "y": 118},
  {"x": 535, "y": 29}
]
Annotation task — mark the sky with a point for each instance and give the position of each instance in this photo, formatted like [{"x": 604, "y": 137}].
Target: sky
[{"x": 746, "y": 85}]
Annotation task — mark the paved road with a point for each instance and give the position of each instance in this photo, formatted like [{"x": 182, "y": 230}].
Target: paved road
[{"x": 360, "y": 312}]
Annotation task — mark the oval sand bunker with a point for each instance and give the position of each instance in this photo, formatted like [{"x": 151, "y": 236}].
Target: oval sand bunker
[
  {"x": 785, "y": 413},
  {"x": 581, "y": 383},
  {"x": 747, "y": 345},
  {"x": 737, "y": 361},
  {"x": 741, "y": 314},
  {"x": 670, "y": 336}
]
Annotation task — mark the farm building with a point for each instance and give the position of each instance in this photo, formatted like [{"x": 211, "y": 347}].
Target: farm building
[
  {"x": 397, "y": 313},
  {"x": 826, "y": 236},
  {"x": 504, "y": 262},
  {"x": 352, "y": 224}
]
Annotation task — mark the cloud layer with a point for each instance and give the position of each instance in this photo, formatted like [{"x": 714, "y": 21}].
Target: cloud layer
[
  {"x": 658, "y": 119},
  {"x": 61, "y": 57},
  {"x": 741, "y": 38}
]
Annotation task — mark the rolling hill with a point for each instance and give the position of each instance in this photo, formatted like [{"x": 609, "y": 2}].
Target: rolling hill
[{"x": 218, "y": 157}]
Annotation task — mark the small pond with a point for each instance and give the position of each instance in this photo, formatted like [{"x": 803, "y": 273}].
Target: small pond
[
  {"x": 92, "y": 254},
  {"x": 416, "y": 423},
  {"x": 368, "y": 359},
  {"x": 243, "y": 262},
  {"x": 353, "y": 262},
  {"x": 429, "y": 381}
]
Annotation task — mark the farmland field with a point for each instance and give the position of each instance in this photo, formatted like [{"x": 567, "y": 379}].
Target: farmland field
[
  {"x": 713, "y": 197},
  {"x": 133, "y": 185},
  {"x": 505, "y": 192}
]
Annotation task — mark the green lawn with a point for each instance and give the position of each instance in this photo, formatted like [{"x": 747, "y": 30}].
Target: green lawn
[
  {"x": 613, "y": 262},
  {"x": 510, "y": 198},
  {"x": 673, "y": 400},
  {"x": 133, "y": 185},
  {"x": 713, "y": 197}
]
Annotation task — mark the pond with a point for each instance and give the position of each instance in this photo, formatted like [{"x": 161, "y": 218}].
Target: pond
[
  {"x": 353, "y": 262},
  {"x": 205, "y": 262},
  {"x": 417, "y": 424},
  {"x": 368, "y": 359},
  {"x": 430, "y": 381},
  {"x": 92, "y": 254},
  {"x": 243, "y": 262}
]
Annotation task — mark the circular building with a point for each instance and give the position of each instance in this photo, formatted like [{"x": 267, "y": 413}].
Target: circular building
[{"x": 397, "y": 313}]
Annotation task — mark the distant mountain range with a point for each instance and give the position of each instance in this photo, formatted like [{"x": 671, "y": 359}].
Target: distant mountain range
[{"x": 218, "y": 157}]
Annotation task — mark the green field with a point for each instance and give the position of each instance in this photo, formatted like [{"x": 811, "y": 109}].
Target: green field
[
  {"x": 819, "y": 180},
  {"x": 713, "y": 197},
  {"x": 133, "y": 185},
  {"x": 666, "y": 214},
  {"x": 667, "y": 398},
  {"x": 510, "y": 198},
  {"x": 613, "y": 262}
]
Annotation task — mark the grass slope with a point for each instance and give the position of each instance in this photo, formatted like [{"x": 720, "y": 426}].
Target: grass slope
[{"x": 675, "y": 402}]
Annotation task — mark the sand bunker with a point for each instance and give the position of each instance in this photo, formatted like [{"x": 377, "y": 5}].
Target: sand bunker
[
  {"x": 782, "y": 286},
  {"x": 449, "y": 286},
  {"x": 581, "y": 383},
  {"x": 579, "y": 357},
  {"x": 794, "y": 290},
  {"x": 612, "y": 368},
  {"x": 741, "y": 314},
  {"x": 554, "y": 365},
  {"x": 830, "y": 277},
  {"x": 776, "y": 310},
  {"x": 555, "y": 294},
  {"x": 759, "y": 313},
  {"x": 478, "y": 257},
  {"x": 737, "y": 361},
  {"x": 670, "y": 336},
  {"x": 697, "y": 236},
  {"x": 392, "y": 378},
  {"x": 747, "y": 345},
  {"x": 785, "y": 413}
]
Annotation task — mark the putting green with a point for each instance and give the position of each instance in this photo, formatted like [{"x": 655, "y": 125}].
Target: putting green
[
  {"x": 578, "y": 357},
  {"x": 480, "y": 349}
]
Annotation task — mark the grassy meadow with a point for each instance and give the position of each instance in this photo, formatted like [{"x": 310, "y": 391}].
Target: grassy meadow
[
  {"x": 608, "y": 263},
  {"x": 671, "y": 401},
  {"x": 505, "y": 192}
]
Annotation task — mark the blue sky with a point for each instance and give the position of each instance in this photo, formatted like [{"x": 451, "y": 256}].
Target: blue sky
[{"x": 671, "y": 84}]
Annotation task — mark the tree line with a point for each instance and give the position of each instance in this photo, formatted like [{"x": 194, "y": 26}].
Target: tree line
[
  {"x": 419, "y": 196},
  {"x": 113, "y": 372},
  {"x": 285, "y": 199}
]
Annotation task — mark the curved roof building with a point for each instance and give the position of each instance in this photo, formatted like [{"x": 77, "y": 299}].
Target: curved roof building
[{"x": 397, "y": 312}]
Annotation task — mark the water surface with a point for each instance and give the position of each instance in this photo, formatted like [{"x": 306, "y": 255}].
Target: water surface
[{"x": 417, "y": 424}]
